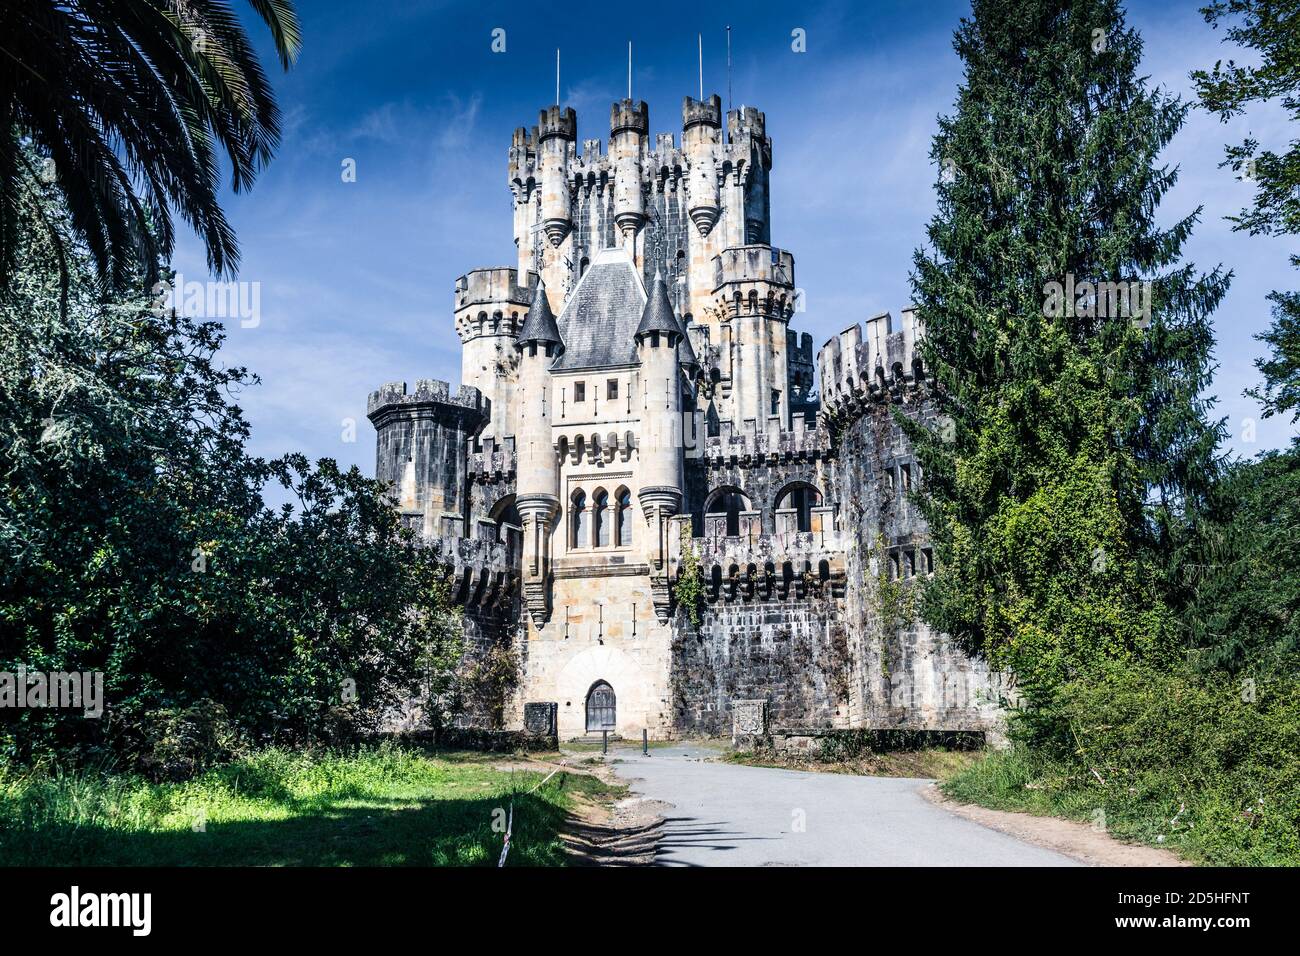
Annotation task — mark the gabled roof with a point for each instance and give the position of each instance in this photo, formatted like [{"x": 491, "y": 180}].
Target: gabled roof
[
  {"x": 599, "y": 322},
  {"x": 539, "y": 325}
]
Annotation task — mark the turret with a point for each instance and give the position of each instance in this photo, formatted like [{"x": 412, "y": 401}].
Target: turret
[
  {"x": 754, "y": 285},
  {"x": 701, "y": 125},
  {"x": 490, "y": 305},
  {"x": 557, "y": 131},
  {"x": 537, "y": 472},
  {"x": 629, "y": 131},
  {"x": 658, "y": 339}
]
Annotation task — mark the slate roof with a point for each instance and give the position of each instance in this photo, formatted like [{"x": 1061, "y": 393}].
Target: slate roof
[
  {"x": 658, "y": 315},
  {"x": 539, "y": 325},
  {"x": 598, "y": 324}
]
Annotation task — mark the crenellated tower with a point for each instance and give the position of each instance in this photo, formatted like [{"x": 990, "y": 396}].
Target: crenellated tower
[{"x": 490, "y": 305}]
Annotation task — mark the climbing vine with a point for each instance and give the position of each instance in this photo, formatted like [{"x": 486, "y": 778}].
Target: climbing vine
[{"x": 688, "y": 590}]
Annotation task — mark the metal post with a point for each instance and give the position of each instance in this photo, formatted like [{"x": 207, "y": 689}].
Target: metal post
[
  {"x": 645, "y": 742},
  {"x": 604, "y": 741}
]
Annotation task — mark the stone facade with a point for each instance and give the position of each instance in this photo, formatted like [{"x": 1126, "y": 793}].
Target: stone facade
[{"x": 635, "y": 404}]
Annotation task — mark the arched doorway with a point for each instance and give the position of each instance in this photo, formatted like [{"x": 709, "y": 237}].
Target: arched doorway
[{"x": 600, "y": 707}]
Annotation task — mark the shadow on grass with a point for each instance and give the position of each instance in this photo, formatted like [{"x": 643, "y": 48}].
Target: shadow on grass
[{"x": 379, "y": 832}]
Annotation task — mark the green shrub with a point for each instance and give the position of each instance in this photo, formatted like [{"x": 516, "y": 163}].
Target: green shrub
[{"x": 1207, "y": 764}]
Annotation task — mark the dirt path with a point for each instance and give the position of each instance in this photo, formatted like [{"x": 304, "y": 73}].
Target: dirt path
[{"x": 1079, "y": 841}]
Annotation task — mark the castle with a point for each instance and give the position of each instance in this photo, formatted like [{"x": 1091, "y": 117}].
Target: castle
[{"x": 636, "y": 489}]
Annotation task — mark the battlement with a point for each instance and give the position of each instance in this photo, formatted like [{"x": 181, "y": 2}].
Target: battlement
[
  {"x": 493, "y": 460},
  {"x": 428, "y": 392},
  {"x": 556, "y": 121},
  {"x": 754, "y": 263},
  {"x": 871, "y": 366},
  {"x": 494, "y": 285},
  {"x": 627, "y": 116},
  {"x": 761, "y": 566},
  {"x": 702, "y": 113},
  {"x": 746, "y": 121},
  {"x": 750, "y": 447},
  {"x": 799, "y": 347},
  {"x": 480, "y": 572}
]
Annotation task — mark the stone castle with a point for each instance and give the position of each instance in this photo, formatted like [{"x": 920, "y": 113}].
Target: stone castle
[{"x": 637, "y": 491}]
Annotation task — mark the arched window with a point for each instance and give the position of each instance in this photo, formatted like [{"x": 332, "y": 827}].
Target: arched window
[
  {"x": 578, "y": 520},
  {"x": 601, "y": 712},
  {"x": 600, "y": 518},
  {"x": 802, "y": 497},
  {"x": 730, "y": 502},
  {"x": 624, "y": 518}
]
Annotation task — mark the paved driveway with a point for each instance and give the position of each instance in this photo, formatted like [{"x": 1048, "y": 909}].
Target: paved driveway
[{"x": 728, "y": 815}]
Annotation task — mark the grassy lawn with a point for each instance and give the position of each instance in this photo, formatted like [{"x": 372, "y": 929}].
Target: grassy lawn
[{"x": 382, "y": 806}]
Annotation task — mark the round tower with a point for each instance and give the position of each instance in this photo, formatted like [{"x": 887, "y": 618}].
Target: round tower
[
  {"x": 701, "y": 134},
  {"x": 658, "y": 338},
  {"x": 537, "y": 470},
  {"x": 629, "y": 132},
  {"x": 557, "y": 131},
  {"x": 490, "y": 306}
]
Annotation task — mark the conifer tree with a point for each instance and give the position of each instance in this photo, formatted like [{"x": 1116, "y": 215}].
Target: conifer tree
[{"x": 1080, "y": 443}]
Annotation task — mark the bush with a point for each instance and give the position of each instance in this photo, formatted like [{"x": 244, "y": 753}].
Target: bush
[
  {"x": 1211, "y": 764},
  {"x": 180, "y": 742}
]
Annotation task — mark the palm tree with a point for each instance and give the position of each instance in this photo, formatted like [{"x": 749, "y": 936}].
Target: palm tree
[{"x": 130, "y": 103}]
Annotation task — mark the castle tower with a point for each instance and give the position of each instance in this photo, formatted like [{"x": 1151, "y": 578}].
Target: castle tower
[
  {"x": 660, "y": 494},
  {"x": 755, "y": 292},
  {"x": 629, "y": 130},
  {"x": 537, "y": 495},
  {"x": 556, "y": 133},
  {"x": 490, "y": 305},
  {"x": 421, "y": 439}
]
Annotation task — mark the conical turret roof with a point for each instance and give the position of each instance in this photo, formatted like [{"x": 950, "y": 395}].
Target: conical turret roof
[
  {"x": 658, "y": 315},
  {"x": 539, "y": 326}
]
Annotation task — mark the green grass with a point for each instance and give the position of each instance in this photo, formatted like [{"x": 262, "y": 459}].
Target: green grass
[{"x": 382, "y": 806}]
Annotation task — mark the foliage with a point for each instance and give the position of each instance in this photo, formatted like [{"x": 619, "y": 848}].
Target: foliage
[
  {"x": 135, "y": 540},
  {"x": 1268, "y": 29},
  {"x": 1202, "y": 763},
  {"x": 1244, "y": 570},
  {"x": 132, "y": 104},
  {"x": 1281, "y": 370},
  {"x": 1080, "y": 445},
  {"x": 373, "y": 806},
  {"x": 688, "y": 589}
]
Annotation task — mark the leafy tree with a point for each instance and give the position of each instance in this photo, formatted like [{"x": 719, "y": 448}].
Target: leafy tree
[
  {"x": 1245, "y": 570},
  {"x": 1281, "y": 370},
  {"x": 1080, "y": 443},
  {"x": 129, "y": 105},
  {"x": 134, "y": 539},
  {"x": 1269, "y": 28}
]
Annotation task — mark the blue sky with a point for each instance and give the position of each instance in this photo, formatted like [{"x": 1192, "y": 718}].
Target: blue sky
[{"x": 357, "y": 277}]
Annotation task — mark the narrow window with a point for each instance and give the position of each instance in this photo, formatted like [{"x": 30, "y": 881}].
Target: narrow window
[
  {"x": 578, "y": 520},
  {"x": 600, "y": 518},
  {"x": 624, "y": 519},
  {"x": 611, "y": 388},
  {"x": 776, "y": 402},
  {"x": 579, "y": 392},
  {"x": 905, "y": 472}
]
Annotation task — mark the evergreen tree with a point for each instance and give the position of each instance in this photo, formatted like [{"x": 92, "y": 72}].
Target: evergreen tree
[{"x": 1080, "y": 444}]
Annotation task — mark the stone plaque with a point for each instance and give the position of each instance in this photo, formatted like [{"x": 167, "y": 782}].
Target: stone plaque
[
  {"x": 748, "y": 723},
  {"x": 539, "y": 718}
]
